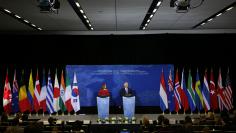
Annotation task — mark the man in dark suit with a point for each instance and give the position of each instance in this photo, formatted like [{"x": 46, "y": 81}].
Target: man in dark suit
[{"x": 126, "y": 91}]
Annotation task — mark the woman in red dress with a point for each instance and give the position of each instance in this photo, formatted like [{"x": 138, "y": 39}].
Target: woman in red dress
[{"x": 103, "y": 92}]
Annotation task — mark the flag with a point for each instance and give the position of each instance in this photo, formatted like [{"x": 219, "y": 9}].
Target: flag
[
  {"x": 171, "y": 96},
  {"x": 206, "y": 93},
  {"x": 162, "y": 93},
  {"x": 15, "y": 95},
  {"x": 37, "y": 91},
  {"x": 221, "y": 97},
  {"x": 183, "y": 93},
  {"x": 191, "y": 92},
  {"x": 176, "y": 92},
  {"x": 56, "y": 94},
  {"x": 43, "y": 94},
  {"x": 75, "y": 95},
  {"x": 24, "y": 104},
  {"x": 49, "y": 96},
  {"x": 68, "y": 95},
  {"x": 228, "y": 92},
  {"x": 30, "y": 92},
  {"x": 7, "y": 97},
  {"x": 199, "y": 98},
  {"x": 213, "y": 93},
  {"x": 62, "y": 100}
]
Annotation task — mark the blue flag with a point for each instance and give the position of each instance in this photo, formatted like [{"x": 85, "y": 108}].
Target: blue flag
[
  {"x": 170, "y": 94},
  {"x": 15, "y": 99},
  {"x": 198, "y": 98}
]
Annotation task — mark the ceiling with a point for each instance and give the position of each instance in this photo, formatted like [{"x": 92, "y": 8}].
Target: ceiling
[{"x": 116, "y": 15}]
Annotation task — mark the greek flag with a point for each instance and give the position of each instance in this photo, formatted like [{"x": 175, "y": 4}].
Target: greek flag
[{"x": 49, "y": 97}]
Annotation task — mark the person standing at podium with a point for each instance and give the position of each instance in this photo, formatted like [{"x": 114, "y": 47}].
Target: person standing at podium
[
  {"x": 103, "y": 92},
  {"x": 126, "y": 91}
]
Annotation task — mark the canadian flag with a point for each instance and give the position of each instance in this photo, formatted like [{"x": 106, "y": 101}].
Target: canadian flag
[{"x": 7, "y": 97}]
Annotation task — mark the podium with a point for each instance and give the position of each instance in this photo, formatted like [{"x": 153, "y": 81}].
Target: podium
[
  {"x": 103, "y": 107},
  {"x": 129, "y": 106}
]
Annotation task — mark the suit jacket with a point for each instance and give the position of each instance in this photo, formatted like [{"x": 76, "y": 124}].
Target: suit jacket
[{"x": 123, "y": 92}]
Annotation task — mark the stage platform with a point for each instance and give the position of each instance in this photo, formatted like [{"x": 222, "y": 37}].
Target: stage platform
[{"x": 93, "y": 117}]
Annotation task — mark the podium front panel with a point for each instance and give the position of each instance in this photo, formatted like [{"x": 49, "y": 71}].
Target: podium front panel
[
  {"x": 103, "y": 107},
  {"x": 129, "y": 106}
]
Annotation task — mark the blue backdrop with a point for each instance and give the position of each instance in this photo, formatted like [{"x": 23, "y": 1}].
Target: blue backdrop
[{"x": 143, "y": 79}]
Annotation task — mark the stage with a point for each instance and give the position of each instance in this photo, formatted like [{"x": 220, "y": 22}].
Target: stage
[{"x": 93, "y": 117}]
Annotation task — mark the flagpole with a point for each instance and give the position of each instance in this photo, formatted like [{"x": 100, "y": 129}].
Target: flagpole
[
  {"x": 62, "y": 113},
  {"x": 37, "y": 114},
  {"x": 43, "y": 113}
]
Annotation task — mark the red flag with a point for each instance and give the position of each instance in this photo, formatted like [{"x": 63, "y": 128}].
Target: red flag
[
  {"x": 183, "y": 96},
  {"x": 7, "y": 97},
  {"x": 213, "y": 93},
  {"x": 177, "y": 92},
  {"x": 37, "y": 90}
]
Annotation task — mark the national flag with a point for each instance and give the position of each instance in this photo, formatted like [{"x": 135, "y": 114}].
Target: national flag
[
  {"x": 24, "y": 104},
  {"x": 15, "y": 95},
  {"x": 171, "y": 95},
  {"x": 62, "y": 100},
  {"x": 191, "y": 92},
  {"x": 43, "y": 94},
  {"x": 199, "y": 98},
  {"x": 7, "y": 97},
  {"x": 221, "y": 96},
  {"x": 177, "y": 92},
  {"x": 56, "y": 94},
  {"x": 30, "y": 92},
  {"x": 213, "y": 93},
  {"x": 68, "y": 95},
  {"x": 162, "y": 93},
  {"x": 228, "y": 91},
  {"x": 75, "y": 95},
  {"x": 37, "y": 91},
  {"x": 183, "y": 93},
  {"x": 49, "y": 96},
  {"x": 206, "y": 93}
]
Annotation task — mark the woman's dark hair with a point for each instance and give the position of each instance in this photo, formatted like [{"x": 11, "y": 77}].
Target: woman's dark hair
[{"x": 160, "y": 119}]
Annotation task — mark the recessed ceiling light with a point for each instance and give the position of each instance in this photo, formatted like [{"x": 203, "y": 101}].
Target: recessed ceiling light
[
  {"x": 90, "y": 25},
  {"x": 151, "y": 16},
  {"x": 91, "y": 28},
  {"x": 203, "y": 23},
  {"x": 26, "y": 21},
  {"x": 39, "y": 29},
  {"x": 210, "y": 19},
  {"x": 145, "y": 25},
  {"x": 85, "y": 16},
  {"x": 17, "y": 16},
  {"x": 219, "y": 14},
  {"x": 87, "y": 21},
  {"x": 33, "y": 25},
  {"x": 81, "y": 11},
  {"x": 7, "y": 10},
  {"x": 154, "y": 10},
  {"x": 144, "y": 28},
  {"x": 77, "y": 4},
  {"x": 230, "y": 8},
  {"x": 148, "y": 20},
  {"x": 159, "y": 3}
]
